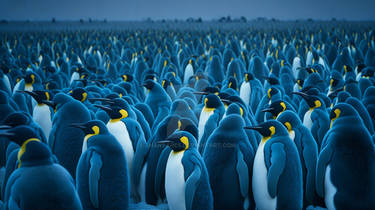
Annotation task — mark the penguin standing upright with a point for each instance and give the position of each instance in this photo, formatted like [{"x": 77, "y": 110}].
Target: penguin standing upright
[
  {"x": 229, "y": 159},
  {"x": 345, "y": 169},
  {"x": 277, "y": 173},
  {"x": 102, "y": 173},
  {"x": 186, "y": 178},
  {"x": 38, "y": 182}
]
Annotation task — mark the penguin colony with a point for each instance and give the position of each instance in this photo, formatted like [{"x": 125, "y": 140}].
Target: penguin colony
[{"x": 247, "y": 118}]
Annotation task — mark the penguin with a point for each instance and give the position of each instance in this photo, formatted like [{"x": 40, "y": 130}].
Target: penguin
[
  {"x": 277, "y": 172},
  {"x": 278, "y": 107},
  {"x": 345, "y": 167},
  {"x": 316, "y": 119},
  {"x": 102, "y": 178},
  {"x": 251, "y": 91},
  {"x": 65, "y": 141},
  {"x": 187, "y": 183},
  {"x": 42, "y": 113},
  {"x": 189, "y": 71},
  {"x": 156, "y": 96},
  {"x": 308, "y": 153},
  {"x": 37, "y": 166},
  {"x": 211, "y": 104},
  {"x": 229, "y": 159}
]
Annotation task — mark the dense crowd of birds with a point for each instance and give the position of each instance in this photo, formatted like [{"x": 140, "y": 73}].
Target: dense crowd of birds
[{"x": 266, "y": 118}]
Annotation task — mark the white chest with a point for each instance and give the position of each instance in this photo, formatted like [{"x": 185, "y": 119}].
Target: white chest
[
  {"x": 262, "y": 198},
  {"x": 6, "y": 82},
  {"x": 42, "y": 116},
  {"x": 245, "y": 92},
  {"x": 189, "y": 71},
  {"x": 120, "y": 132},
  {"x": 74, "y": 77},
  {"x": 202, "y": 122},
  {"x": 292, "y": 135},
  {"x": 329, "y": 189},
  {"x": 307, "y": 119},
  {"x": 175, "y": 182}
]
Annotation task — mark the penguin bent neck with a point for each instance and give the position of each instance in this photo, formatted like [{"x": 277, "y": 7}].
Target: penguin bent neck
[
  {"x": 205, "y": 115},
  {"x": 245, "y": 92},
  {"x": 262, "y": 198},
  {"x": 307, "y": 119},
  {"x": 119, "y": 130},
  {"x": 175, "y": 181}
]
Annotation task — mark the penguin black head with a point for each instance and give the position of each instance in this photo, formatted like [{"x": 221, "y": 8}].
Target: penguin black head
[
  {"x": 269, "y": 129},
  {"x": 212, "y": 90},
  {"x": 272, "y": 80},
  {"x": 271, "y": 92},
  {"x": 91, "y": 128},
  {"x": 116, "y": 113},
  {"x": 51, "y": 85},
  {"x": 79, "y": 94},
  {"x": 342, "y": 110},
  {"x": 276, "y": 108},
  {"x": 232, "y": 83},
  {"x": 127, "y": 77},
  {"x": 17, "y": 119},
  {"x": 248, "y": 76},
  {"x": 180, "y": 141},
  {"x": 212, "y": 101},
  {"x": 30, "y": 78},
  {"x": 149, "y": 84},
  {"x": 38, "y": 95},
  {"x": 289, "y": 119},
  {"x": 300, "y": 83},
  {"x": 32, "y": 149},
  {"x": 165, "y": 83},
  {"x": 312, "y": 100}
]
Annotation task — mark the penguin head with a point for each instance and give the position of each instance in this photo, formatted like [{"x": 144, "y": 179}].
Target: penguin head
[
  {"x": 116, "y": 113},
  {"x": 342, "y": 110},
  {"x": 91, "y": 128},
  {"x": 180, "y": 141},
  {"x": 30, "y": 78},
  {"x": 149, "y": 84},
  {"x": 276, "y": 108},
  {"x": 312, "y": 101},
  {"x": 79, "y": 94},
  {"x": 127, "y": 77},
  {"x": 271, "y": 92},
  {"x": 32, "y": 149},
  {"x": 165, "y": 83},
  {"x": 212, "y": 90},
  {"x": 212, "y": 101},
  {"x": 300, "y": 83},
  {"x": 289, "y": 119},
  {"x": 17, "y": 118},
  {"x": 248, "y": 76},
  {"x": 269, "y": 129},
  {"x": 232, "y": 83},
  {"x": 38, "y": 95}
]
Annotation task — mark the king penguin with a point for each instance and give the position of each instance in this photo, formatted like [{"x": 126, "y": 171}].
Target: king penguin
[
  {"x": 229, "y": 159},
  {"x": 187, "y": 185},
  {"x": 102, "y": 174},
  {"x": 345, "y": 169},
  {"x": 277, "y": 173},
  {"x": 38, "y": 183}
]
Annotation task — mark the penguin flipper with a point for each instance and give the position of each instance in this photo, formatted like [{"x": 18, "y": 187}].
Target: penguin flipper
[
  {"x": 320, "y": 126},
  {"x": 278, "y": 160},
  {"x": 160, "y": 170},
  {"x": 323, "y": 160},
  {"x": 191, "y": 184},
  {"x": 310, "y": 154},
  {"x": 139, "y": 159},
  {"x": 94, "y": 176},
  {"x": 243, "y": 174}
]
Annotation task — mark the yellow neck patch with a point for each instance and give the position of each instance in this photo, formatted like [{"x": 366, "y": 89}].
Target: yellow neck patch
[
  {"x": 288, "y": 126},
  {"x": 23, "y": 149},
  {"x": 84, "y": 97},
  {"x": 337, "y": 112},
  {"x": 95, "y": 129},
  {"x": 123, "y": 113},
  {"x": 185, "y": 141}
]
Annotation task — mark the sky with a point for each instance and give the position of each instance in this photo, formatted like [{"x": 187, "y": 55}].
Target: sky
[{"x": 182, "y": 9}]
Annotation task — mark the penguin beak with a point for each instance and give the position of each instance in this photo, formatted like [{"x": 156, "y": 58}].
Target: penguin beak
[
  {"x": 226, "y": 101},
  {"x": 256, "y": 128},
  {"x": 104, "y": 100},
  {"x": 201, "y": 93},
  {"x": 6, "y": 133},
  {"x": 2, "y": 127},
  {"x": 49, "y": 103},
  {"x": 78, "y": 125},
  {"x": 105, "y": 108},
  {"x": 304, "y": 95},
  {"x": 32, "y": 94},
  {"x": 165, "y": 142},
  {"x": 268, "y": 110}
]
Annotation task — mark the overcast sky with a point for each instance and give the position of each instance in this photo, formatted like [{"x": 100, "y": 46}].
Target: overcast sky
[{"x": 182, "y": 9}]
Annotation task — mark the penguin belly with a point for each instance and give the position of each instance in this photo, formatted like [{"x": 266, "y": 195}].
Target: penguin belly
[
  {"x": 262, "y": 198},
  {"x": 142, "y": 183},
  {"x": 245, "y": 92},
  {"x": 6, "y": 82},
  {"x": 175, "y": 182},
  {"x": 42, "y": 116},
  {"x": 307, "y": 119},
  {"x": 202, "y": 122},
  {"x": 120, "y": 132},
  {"x": 188, "y": 73},
  {"x": 74, "y": 77},
  {"x": 329, "y": 189},
  {"x": 292, "y": 135},
  {"x": 16, "y": 87}
]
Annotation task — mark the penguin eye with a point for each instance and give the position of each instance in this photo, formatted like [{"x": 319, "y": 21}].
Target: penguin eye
[{"x": 185, "y": 141}]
